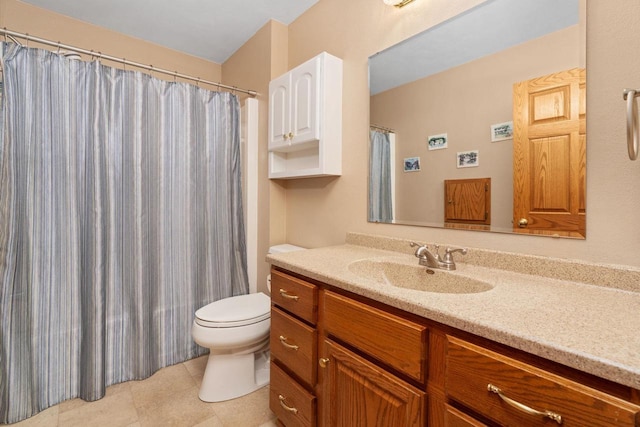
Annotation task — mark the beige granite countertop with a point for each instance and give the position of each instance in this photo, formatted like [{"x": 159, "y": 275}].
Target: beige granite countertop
[{"x": 590, "y": 327}]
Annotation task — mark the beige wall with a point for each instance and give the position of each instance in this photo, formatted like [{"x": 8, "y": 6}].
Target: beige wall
[
  {"x": 463, "y": 103},
  {"x": 254, "y": 65},
  {"x": 321, "y": 211},
  {"x": 25, "y": 18}
]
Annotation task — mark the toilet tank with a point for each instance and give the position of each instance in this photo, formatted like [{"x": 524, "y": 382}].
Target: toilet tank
[{"x": 280, "y": 249}]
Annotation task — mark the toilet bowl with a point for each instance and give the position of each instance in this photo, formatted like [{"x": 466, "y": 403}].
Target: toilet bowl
[{"x": 236, "y": 332}]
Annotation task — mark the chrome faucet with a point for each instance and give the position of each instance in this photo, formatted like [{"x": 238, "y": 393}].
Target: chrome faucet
[{"x": 432, "y": 260}]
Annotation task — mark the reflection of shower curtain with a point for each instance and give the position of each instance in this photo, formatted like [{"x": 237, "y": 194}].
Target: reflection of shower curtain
[
  {"x": 380, "y": 203},
  {"x": 120, "y": 215}
]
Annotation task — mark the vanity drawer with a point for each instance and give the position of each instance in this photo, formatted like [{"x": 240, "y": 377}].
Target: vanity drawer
[
  {"x": 398, "y": 342},
  {"x": 292, "y": 404},
  {"x": 295, "y": 345},
  {"x": 295, "y": 295},
  {"x": 472, "y": 371},
  {"x": 455, "y": 418}
]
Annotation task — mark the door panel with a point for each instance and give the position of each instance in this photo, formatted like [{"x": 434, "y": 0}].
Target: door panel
[
  {"x": 364, "y": 395},
  {"x": 549, "y": 154}
]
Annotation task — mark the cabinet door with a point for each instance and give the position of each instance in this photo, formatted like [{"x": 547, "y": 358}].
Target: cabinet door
[
  {"x": 358, "y": 393},
  {"x": 279, "y": 111},
  {"x": 305, "y": 100},
  {"x": 467, "y": 200}
]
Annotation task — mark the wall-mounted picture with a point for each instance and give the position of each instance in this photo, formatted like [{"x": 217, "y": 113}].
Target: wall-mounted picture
[
  {"x": 412, "y": 164},
  {"x": 501, "y": 131},
  {"x": 437, "y": 142},
  {"x": 468, "y": 159}
]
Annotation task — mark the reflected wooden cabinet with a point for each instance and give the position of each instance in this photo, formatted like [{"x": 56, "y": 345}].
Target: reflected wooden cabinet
[
  {"x": 467, "y": 201},
  {"x": 344, "y": 360}
]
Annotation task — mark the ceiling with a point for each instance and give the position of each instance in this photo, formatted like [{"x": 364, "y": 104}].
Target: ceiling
[
  {"x": 491, "y": 27},
  {"x": 210, "y": 29}
]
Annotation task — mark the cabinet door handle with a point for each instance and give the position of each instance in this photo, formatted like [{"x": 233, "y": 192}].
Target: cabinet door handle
[
  {"x": 284, "y": 342},
  {"x": 285, "y": 406},
  {"x": 287, "y": 295},
  {"x": 524, "y": 408},
  {"x": 290, "y": 135},
  {"x": 323, "y": 362}
]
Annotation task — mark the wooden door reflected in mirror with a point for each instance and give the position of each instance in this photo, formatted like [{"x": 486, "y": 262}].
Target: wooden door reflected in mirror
[{"x": 549, "y": 154}]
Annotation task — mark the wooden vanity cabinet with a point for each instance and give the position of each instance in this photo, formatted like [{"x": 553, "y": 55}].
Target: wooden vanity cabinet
[
  {"x": 359, "y": 393},
  {"x": 511, "y": 392},
  {"x": 362, "y": 384},
  {"x": 361, "y": 363},
  {"x": 455, "y": 418},
  {"x": 294, "y": 350}
]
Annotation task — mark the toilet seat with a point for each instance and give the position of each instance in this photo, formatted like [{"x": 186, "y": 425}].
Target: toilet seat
[{"x": 235, "y": 311}]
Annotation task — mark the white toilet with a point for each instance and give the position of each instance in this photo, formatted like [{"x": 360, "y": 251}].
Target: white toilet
[{"x": 236, "y": 332}]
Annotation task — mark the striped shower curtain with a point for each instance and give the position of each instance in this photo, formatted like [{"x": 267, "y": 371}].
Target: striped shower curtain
[
  {"x": 380, "y": 191},
  {"x": 120, "y": 215}
]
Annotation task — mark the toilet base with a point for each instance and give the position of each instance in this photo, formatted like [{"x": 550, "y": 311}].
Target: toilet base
[{"x": 229, "y": 376}]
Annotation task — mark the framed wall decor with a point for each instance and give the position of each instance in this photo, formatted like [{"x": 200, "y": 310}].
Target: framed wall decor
[
  {"x": 501, "y": 131},
  {"x": 468, "y": 159},
  {"x": 437, "y": 142},
  {"x": 411, "y": 164}
]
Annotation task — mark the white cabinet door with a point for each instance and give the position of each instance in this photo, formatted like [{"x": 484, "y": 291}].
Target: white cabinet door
[
  {"x": 305, "y": 120},
  {"x": 280, "y": 115},
  {"x": 305, "y": 100}
]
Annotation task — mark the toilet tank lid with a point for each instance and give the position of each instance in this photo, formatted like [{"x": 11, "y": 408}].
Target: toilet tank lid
[
  {"x": 279, "y": 249},
  {"x": 236, "y": 309}
]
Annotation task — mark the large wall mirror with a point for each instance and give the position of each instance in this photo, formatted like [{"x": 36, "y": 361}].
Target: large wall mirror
[{"x": 480, "y": 122}]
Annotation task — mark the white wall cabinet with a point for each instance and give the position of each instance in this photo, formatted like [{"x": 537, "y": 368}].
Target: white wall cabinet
[{"x": 305, "y": 120}]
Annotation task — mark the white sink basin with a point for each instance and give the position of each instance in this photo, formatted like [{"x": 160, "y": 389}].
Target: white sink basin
[{"x": 403, "y": 275}]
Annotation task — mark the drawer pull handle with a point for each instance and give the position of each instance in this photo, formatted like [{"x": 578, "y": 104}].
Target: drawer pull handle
[
  {"x": 522, "y": 407},
  {"x": 286, "y": 295},
  {"x": 284, "y": 342},
  {"x": 285, "y": 406},
  {"x": 323, "y": 362}
]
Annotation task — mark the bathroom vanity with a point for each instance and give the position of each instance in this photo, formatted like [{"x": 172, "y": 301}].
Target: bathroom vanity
[{"x": 349, "y": 349}]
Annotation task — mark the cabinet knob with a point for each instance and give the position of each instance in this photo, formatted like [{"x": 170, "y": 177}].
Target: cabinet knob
[
  {"x": 323, "y": 362},
  {"x": 290, "y": 135}
]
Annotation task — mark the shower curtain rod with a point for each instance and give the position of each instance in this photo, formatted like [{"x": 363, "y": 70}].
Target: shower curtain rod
[
  {"x": 175, "y": 74},
  {"x": 382, "y": 128}
]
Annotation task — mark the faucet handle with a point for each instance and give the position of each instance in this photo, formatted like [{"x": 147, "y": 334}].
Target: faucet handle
[{"x": 448, "y": 257}]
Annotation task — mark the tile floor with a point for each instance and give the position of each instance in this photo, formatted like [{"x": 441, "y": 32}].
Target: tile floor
[{"x": 167, "y": 398}]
